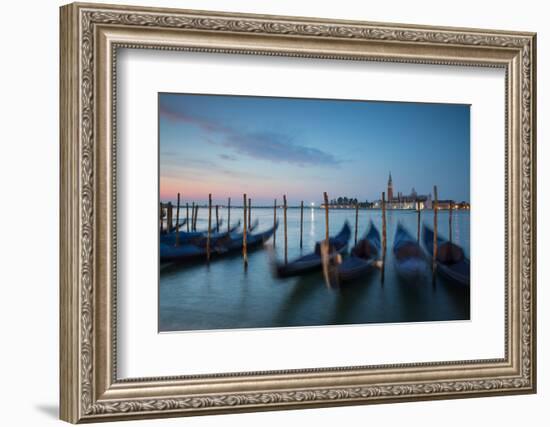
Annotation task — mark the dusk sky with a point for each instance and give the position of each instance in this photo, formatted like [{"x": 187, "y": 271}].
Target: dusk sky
[{"x": 267, "y": 147}]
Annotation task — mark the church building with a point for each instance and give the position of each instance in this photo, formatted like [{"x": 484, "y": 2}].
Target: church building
[{"x": 413, "y": 200}]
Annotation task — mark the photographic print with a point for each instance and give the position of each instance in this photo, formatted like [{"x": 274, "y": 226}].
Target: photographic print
[{"x": 283, "y": 212}]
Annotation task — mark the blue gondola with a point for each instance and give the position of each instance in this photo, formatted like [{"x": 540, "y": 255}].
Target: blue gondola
[
  {"x": 410, "y": 261},
  {"x": 229, "y": 244},
  {"x": 173, "y": 227},
  {"x": 196, "y": 237},
  {"x": 312, "y": 262},
  {"x": 363, "y": 256},
  {"x": 451, "y": 261}
]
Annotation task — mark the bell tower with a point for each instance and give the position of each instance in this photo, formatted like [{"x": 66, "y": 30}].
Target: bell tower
[{"x": 390, "y": 188}]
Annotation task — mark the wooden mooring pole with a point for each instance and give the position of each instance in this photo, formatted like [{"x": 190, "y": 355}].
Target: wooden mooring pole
[
  {"x": 417, "y": 221},
  {"x": 384, "y": 237},
  {"x": 356, "y": 220},
  {"x": 217, "y": 220},
  {"x": 169, "y": 218},
  {"x": 187, "y": 215},
  {"x": 245, "y": 255},
  {"x": 301, "y": 224},
  {"x": 178, "y": 221},
  {"x": 274, "y": 221},
  {"x": 228, "y": 214},
  {"x": 384, "y": 226},
  {"x": 249, "y": 213},
  {"x": 286, "y": 235},
  {"x": 193, "y": 217},
  {"x": 196, "y": 217},
  {"x": 325, "y": 197},
  {"x": 161, "y": 212},
  {"x": 209, "y": 227},
  {"x": 325, "y": 246},
  {"x": 435, "y": 208},
  {"x": 451, "y": 221}
]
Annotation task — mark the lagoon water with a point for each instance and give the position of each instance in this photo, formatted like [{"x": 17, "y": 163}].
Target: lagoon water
[{"x": 225, "y": 296}]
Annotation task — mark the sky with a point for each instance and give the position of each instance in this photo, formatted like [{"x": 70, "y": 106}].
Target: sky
[{"x": 268, "y": 146}]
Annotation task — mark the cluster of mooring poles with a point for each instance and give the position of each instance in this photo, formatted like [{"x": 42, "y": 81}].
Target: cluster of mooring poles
[
  {"x": 191, "y": 215},
  {"x": 167, "y": 221},
  {"x": 167, "y": 216},
  {"x": 190, "y": 222},
  {"x": 325, "y": 249}
]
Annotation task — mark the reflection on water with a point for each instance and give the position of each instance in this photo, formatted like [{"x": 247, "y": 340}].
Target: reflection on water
[{"x": 224, "y": 296}]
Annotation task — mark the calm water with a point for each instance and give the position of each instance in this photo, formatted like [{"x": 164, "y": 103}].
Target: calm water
[{"x": 224, "y": 296}]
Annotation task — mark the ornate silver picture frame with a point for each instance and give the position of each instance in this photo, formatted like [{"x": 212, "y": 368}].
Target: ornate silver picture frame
[{"x": 91, "y": 35}]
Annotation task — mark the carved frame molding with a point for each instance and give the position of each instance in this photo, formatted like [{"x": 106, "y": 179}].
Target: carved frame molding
[{"x": 90, "y": 37}]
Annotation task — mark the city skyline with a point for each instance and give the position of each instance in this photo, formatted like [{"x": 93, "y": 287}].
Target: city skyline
[{"x": 267, "y": 147}]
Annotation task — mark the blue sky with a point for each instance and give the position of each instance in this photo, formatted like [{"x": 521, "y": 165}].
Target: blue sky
[{"x": 267, "y": 147}]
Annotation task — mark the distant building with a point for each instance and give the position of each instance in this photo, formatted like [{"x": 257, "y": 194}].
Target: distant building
[
  {"x": 413, "y": 200},
  {"x": 446, "y": 204},
  {"x": 347, "y": 203},
  {"x": 390, "y": 188}
]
